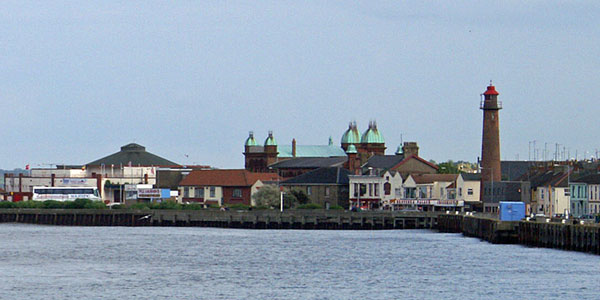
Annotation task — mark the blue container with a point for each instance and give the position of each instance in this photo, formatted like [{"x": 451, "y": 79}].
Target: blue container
[{"x": 512, "y": 211}]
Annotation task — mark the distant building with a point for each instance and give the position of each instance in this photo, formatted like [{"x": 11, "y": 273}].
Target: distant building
[
  {"x": 467, "y": 189},
  {"x": 324, "y": 186},
  {"x": 131, "y": 165},
  {"x": 496, "y": 191},
  {"x": 372, "y": 191},
  {"x": 357, "y": 153},
  {"x": 223, "y": 187}
]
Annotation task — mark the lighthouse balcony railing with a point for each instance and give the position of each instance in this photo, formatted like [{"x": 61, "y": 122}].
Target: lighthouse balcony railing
[{"x": 490, "y": 104}]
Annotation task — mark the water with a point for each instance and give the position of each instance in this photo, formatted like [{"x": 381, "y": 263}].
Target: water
[{"x": 55, "y": 262}]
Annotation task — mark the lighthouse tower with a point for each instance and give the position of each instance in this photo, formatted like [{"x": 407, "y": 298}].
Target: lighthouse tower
[{"x": 490, "y": 144}]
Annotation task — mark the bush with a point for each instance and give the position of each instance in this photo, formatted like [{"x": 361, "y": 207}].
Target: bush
[
  {"x": 310, "y": 206},
  {"x": 169, "y": 204},
  {"x": 118, "y": 206},
  {"x": 53, "y": 204},
  {"x": 139, "y": 206},
  {"x": 238, "y": 206},
  {"x": 336, "y": 207},
  {"x": 29, "y": 204},
  {"x": 7, "y": 204},
  {"x": 193, "y": 206}
]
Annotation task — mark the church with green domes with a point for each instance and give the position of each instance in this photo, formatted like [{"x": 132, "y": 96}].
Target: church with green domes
[{"x": 354, "y": 151}]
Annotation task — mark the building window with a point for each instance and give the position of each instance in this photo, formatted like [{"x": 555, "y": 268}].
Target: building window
[
  {"x": 212, "y": 191},
  {"x": 376, "y": 187},
  {"x": 470, "y": 192},
  {"x": 370, "y": 189},
  {"x": 460, "y": 192},
  {"x": 199, "y": 192},
  {"x": 327, "y": 191},
  {"x": 237, "y": 193},
  {"x": 387, "y": 188},
  {"x": 186, "y": 192},
  {"x": 309, "y": 190},
  {"x": 356, "y": 188},
  {"x": 398, "y": 192}
]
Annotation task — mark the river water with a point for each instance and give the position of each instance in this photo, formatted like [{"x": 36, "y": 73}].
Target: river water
[{"x": 56, "y": 262}]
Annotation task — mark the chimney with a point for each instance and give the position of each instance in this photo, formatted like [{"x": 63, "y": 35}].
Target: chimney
[
  {"x": 410, "y": 148},
  {"x": 293, "y": 147}
]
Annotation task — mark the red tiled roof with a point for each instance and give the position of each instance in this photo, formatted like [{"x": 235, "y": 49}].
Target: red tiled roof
[{"x": 225, "y": 178}]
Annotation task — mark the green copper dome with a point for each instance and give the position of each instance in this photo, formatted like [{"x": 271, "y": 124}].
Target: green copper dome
[
  {"x": 270, "y": 141},
  {"x": 372, "y": 135},
  {"x": 351, "y": 149},
  {"x": 399, "y": 150},
  {"x": 351, "y": 136},
  {"x": 250, "y": 141}
]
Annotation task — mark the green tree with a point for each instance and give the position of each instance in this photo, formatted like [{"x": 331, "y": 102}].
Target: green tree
[
  {"x": 448, "y": 167},
  {"x": 300, "y": 196},
  {"x": 267, "y": 195}
]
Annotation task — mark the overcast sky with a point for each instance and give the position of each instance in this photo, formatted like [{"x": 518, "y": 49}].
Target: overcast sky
[{"x": 79, "y": 79}]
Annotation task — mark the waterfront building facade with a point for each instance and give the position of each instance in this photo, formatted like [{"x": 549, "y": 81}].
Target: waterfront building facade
[
  {"x": 374, "y": 190},
  {"x": 326, "y": 186},
  {"x": 223, "y": 187}
]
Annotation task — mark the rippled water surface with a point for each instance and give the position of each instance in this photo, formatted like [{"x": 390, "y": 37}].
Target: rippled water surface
[{"x": 55, "y": 262}]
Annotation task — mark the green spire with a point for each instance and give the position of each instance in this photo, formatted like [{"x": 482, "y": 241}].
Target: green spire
[
  {"x": 270, "y": 141},
  {"x": 351, "y": 136},
  {"x": 372, "y": 135},
  {"x": 250, "y": 141},
  {"x": 351, "y": 149}
]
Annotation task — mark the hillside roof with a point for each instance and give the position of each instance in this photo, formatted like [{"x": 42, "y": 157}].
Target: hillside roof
[
  {"x": 231, "y": 177},
  {"x": 134, "y": 155}
]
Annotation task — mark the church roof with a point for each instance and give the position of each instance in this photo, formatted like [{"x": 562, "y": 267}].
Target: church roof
[
  {"x": 285, "y": 151},
  {"x": 133, "y": 154},
  {"x": 309, "y": 162}
]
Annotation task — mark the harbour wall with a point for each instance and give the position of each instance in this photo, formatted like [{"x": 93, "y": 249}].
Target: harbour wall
[
  {"x": 536, "y": 233},
  {"x": 255, "y": 219},
  {"x": 568, "y": 236}
]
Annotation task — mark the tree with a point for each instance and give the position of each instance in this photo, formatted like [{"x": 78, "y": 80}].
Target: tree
[
  {"x": 299, "y": 196},
  {"x": 267, "y": 195},
  {"x": 448, "y": 167}
]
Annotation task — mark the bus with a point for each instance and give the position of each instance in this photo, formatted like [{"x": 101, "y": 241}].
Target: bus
[{"x": 43, "y": 193}]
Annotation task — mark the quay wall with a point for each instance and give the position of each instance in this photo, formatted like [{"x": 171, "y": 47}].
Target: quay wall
[
  {"x": 256, "y": 219},
  {"x": 568, "y": 236}
]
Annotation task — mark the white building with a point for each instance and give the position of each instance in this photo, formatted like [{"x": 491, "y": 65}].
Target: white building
[{"x": 375, "y": 191}]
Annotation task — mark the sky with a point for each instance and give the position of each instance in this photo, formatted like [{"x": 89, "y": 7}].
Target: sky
[{"x": 189, "y": 79}]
